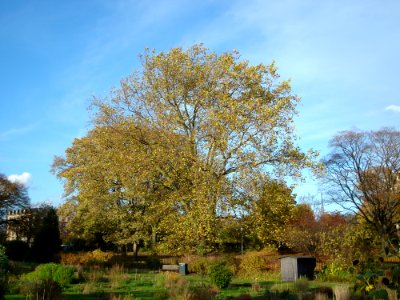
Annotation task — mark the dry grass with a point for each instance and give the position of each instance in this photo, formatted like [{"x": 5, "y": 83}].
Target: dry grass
[
  {"x": 178, "y": 287},
  {"x": 321, "y": 296},
  {"x": 89, "y": 288},
  {"x": 341, "y": 292},
  {"x": 95, "y": 274},
  {"x": 392, "y": 294},
  {"x": 117, "y": 276}
]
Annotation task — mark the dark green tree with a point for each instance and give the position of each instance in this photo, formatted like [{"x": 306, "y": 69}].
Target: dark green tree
[{"x": 47, "y": 240}]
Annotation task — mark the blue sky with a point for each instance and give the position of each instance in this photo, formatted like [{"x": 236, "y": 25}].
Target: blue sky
[{"x": 341, "y": 56}]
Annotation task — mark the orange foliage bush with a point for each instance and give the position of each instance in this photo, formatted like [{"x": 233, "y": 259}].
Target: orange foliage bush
[{"x": 96, "y": 257}]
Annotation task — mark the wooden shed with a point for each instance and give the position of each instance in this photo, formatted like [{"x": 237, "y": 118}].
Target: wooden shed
[{"x": 294, "y": 267}]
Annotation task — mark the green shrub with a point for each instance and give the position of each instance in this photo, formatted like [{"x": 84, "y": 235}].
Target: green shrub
[
  {"x": 378, "y": 294},
  {"x": 46, "y": 281},
  {"x": 335, "y": 272},
  {"x": 252, "y": 264},
  {"x": 199, "y": 265},
  {"x": 63, "y": 275},
  {"x": 220, "y": 275}
]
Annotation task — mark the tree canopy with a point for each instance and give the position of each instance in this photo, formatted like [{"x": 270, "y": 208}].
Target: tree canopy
[
  {"x": 363, "y": 175},
  {"x": 176, "y": 146}
]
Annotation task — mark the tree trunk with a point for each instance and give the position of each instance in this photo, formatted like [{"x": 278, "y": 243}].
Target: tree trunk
[
  {"x": 153, "y": 237},
  {"x": 135, "y": 249}
]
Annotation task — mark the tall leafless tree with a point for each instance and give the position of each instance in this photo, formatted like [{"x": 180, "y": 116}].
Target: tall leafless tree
[
  {"x": 13, "y": 195},
  {"x": 363, "y": 175}
]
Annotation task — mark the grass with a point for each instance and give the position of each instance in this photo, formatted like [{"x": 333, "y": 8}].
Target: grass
[
  {"x": 140, "y": 286},
  {"x": 144, "y": 286},
  {"x": 101, "y": 284}
]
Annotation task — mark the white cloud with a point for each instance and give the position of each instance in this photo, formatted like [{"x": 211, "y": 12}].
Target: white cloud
[
  {"x": 395, "y": 108},
  {"x": 23, "y": 178}
]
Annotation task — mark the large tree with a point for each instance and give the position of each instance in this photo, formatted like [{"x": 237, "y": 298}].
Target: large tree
[
  {"x": 301, "y": 232},
  {"x": 269, "y": 212},
  {"x": 363, "y": 171},
  {"x": 208, "y": 123},
  {"x": 13, "y": 195}
]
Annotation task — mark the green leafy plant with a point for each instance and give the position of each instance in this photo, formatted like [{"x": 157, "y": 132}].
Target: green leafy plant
[
  {"x": 378, "y": 294},
  {"x": 335, "y": 272},
  {"x": 46, "y": 281},
  {"x": 63, "y": 275},
  {"x": 220, "y": 275},
  {"x": 367, "y": 281}
]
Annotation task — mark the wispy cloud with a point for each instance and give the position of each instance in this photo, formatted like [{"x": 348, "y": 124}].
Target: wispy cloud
[
  {"x": 7, "y": 134},
  {"x": 395, "y": 108},
  {"x": 23, "y": 178}
]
